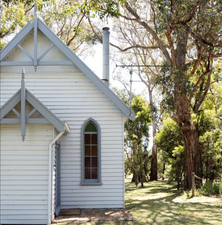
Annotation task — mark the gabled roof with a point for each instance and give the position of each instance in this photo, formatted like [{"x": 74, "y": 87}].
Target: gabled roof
[
  {"x": 72, "y": 57},
  {"x": 38, "y": 105}
]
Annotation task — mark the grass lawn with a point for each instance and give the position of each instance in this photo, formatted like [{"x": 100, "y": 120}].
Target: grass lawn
[{"x": 161, "y": 203}]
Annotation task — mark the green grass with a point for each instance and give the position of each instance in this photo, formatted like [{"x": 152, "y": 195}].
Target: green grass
[{"x": 159, "y": 203}]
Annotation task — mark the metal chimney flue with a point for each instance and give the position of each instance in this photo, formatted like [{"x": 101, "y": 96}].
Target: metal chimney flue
[{"x": 106, "y": 55}]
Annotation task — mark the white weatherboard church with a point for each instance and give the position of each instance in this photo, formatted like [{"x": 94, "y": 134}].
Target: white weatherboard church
[{"x": 62, "y": 131}]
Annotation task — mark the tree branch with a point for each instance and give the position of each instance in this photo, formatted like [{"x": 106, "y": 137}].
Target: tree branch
[
  {"x": 70, "y": 40},
  {"x": 122, "y": 49},
  {"x": 168, "y": 34},
  {"x": 197, "y": 106},
  {"x": 150, "y": 30},
  {"x": 198, "y": 82},
  {"x": 197, "y": 63}
]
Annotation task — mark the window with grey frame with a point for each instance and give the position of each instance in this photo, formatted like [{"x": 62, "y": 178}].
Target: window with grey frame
[{"x": 90, "y": 153}]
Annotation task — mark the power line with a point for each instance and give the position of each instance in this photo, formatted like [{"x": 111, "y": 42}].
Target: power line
[
  {"x": 123, "y": 66},
  {"x": 131, "y": 74}
]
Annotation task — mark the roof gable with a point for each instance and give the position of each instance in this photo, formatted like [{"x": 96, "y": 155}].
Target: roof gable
[
  {"x": 73, "y": 59},
  {"x": 37, "y": 106}
]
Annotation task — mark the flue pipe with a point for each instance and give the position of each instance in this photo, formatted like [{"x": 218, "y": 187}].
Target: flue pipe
[{"x": 106, "y": 55}]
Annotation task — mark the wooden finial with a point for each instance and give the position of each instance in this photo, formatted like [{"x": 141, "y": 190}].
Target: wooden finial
[{"x": 23, "y": 73}]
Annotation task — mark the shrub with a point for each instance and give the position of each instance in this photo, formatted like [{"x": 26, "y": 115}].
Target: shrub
[{"x": 210, "y": 188}]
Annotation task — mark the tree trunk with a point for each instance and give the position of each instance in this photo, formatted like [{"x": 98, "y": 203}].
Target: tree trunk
[
  {"x": 153, "y": 173},
  {"x": 141, "y": 166},
  {"x": 164, "y": 165},
  {"x": 183, "y": 109},
  {"x": 134, "y": 176},
  {"x": 191, "y": 143}
]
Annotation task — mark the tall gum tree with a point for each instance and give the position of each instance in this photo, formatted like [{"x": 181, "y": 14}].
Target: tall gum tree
[{"x": 189, "y": 36}]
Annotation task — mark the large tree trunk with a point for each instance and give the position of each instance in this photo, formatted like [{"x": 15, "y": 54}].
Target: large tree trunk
[
  {"x": 191, "y": 142},
  {"x": 183, "y": 109}
]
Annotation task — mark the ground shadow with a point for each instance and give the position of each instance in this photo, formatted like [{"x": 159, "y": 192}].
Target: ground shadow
[{"x": 156, "y": 205}]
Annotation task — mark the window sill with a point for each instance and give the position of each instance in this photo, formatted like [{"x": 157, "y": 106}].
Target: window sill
[{"x": 91, "y": 184}]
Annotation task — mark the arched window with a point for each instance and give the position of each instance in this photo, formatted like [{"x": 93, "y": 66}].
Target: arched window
[{"x": 91, "y": 153}]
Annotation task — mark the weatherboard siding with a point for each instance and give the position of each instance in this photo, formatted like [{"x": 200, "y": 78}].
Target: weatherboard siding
[
  {"x": 68, "y": 93},
  {"x": 24, "y": 174}
]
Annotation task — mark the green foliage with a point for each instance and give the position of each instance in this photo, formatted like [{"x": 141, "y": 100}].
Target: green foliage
[
  {"x": 210, "y": 188},
  {"x": 12, "y": 17},
  {"x": 169, "y": 140},
  {"x": 177, "y": 163},
  {"x": 169, "y": 137},
  {"x": 138, "y": 128},
  {"x": 136, "y": 133},
  {"x": 103, "y": 9},
  {"x": 211, "y": 146}
]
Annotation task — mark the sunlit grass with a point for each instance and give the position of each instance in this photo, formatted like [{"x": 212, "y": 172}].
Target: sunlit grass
[{"x": 161, "y": 203}]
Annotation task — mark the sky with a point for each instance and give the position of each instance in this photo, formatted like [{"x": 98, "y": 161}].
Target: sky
[{"x": 95, "y": 63}]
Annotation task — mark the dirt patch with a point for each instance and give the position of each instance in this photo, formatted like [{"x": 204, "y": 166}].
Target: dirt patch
[{"x": 95, "y": 215}]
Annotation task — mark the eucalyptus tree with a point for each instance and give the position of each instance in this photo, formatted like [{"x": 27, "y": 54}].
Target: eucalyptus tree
[
  {"x": 188, "y": 36},
  {"x": 65, "y": 18}
]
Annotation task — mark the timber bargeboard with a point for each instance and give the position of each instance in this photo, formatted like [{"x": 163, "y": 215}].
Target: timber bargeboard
[
  {"x": 49, "y": 116},
  {"x": 74, "y": 59}
]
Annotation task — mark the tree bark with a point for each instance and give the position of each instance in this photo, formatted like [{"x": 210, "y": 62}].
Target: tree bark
[
  {"x": 153, "y": 173},
  {"x": 183, "y": 109},
  {"x": 191, "y": 143}
]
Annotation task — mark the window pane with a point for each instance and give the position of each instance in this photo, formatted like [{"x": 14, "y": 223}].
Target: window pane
[
  {"x": 94, "y": 138},
  {"x": 87, "y": 161},
  {"x": 94, "y": 174},
  {"x": 94, "y": 150},
  {"x": 90, "y": 128},
  {"x": 87, "y": 150},
  {"x": 87, "y": 173},
  {"x": 87, "y": 138},
  {"x": 94, "y": 161}
]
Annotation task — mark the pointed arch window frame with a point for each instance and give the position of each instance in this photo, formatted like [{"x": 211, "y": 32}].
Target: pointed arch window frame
[{"x": 91, "y": 182}]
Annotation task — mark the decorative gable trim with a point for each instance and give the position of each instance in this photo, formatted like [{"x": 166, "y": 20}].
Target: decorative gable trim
[
  {"x": 16, "y": 40},
  {"x": 49, "y": 116},
  {"x": 10, "y": 104}
]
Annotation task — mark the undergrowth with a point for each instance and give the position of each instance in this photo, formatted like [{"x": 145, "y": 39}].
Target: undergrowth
[{"x": 210, "y": 188}]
